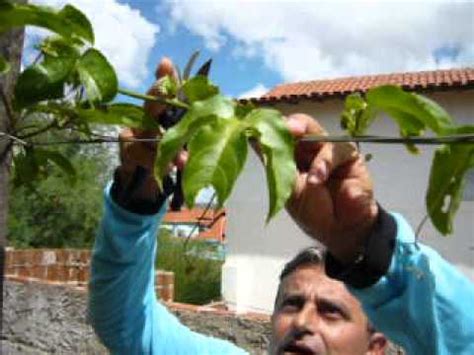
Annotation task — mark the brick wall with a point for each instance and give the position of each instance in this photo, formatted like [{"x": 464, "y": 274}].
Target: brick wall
[
  {"x": 164, "y": 285},
  {"x": 66, "y": 266}
]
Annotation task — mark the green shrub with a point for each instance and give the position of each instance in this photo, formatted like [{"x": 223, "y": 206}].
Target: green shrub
[
  {"x": 197, "y": 277},
  {"x": 52, "y": 212}
]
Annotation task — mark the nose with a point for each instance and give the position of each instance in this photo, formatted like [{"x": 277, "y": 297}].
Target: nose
[{"x": 307, "y": 319}]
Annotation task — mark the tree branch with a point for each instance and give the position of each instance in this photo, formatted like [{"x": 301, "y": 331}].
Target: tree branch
[
  {"x": 54, "y": 123},
  {"x": 8, "y": 108}
]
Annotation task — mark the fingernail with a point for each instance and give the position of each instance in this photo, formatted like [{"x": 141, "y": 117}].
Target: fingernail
[{"x": 318, "y": 175}]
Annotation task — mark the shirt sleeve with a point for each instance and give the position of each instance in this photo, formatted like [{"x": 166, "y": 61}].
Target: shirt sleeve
[
  {"x": 122, "y": 304},
  {"x": 422, "y": 302}
]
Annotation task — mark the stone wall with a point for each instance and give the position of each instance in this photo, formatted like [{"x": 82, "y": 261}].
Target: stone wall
[{"x": 40, "y": 319}]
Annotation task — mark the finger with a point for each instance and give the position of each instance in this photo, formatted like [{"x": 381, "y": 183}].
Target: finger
[
  {"x": 133, "y": 154},
  {"x": 166, "y": 67},
  {"x": 181, "y": 159},
  {"x": 354, "y": 206},
  {"x": 311, "y": 205},
  {"x": 153, "y": 108},
  {"x": 305, "y": 151},
  {"x": 301, "y": 124},
  {"x": 321, "y": 166},
  {"x": 329, "y": 158}
]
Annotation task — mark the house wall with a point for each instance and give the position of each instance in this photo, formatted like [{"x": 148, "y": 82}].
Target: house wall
[{"x": 256, "y": 253}]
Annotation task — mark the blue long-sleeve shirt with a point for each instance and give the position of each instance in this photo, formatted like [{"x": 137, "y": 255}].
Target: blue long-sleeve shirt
[
  {"x": 422, "y": 302},
  {"x": 122, "y": 304}
]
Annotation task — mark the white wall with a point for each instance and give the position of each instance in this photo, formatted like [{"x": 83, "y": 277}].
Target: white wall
[{"x": 256, "y": 253}]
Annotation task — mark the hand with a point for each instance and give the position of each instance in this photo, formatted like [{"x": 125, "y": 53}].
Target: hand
[
  {"x": 134, "y": 154},
  {"x": 333, "y": 198}
]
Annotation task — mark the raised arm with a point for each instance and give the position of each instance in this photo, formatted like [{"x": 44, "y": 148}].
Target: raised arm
[
  {"x": 409, "y": 292},
  {"x": 122, "y": 304}
]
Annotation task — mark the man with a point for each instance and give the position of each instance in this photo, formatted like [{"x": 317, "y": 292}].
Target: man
[
  {"x": 408, "y": 292},
  {"x": 314, "y": 314}
]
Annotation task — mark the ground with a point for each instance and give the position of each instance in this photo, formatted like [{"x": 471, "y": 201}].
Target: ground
[{"x": 43, "y": 319}]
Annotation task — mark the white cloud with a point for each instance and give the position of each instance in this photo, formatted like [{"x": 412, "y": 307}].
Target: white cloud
[
  {"x": 308, "y": 39},
  {"x": 122, "y": 33},
  {"x": 257, "y": 91}
]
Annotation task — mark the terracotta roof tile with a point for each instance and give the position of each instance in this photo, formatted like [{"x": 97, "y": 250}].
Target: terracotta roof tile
[
  {"x": 436, "y": 80},
  {"x": 213, "y": 221}
]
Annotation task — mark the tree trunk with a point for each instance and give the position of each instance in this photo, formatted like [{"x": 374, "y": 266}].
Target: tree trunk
[{"x": 11, "y": 45}]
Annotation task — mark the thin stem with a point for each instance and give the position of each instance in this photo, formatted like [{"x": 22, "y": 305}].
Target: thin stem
[
  {"x": 161, "y": 100},
  {"x": 196, "y": 226},
  {"x": 419, "y": 228},
  {"x": 37, "y": 58}
]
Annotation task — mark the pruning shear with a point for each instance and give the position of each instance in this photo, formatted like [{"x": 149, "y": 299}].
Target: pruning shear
[{"x": 170, "y": 117}]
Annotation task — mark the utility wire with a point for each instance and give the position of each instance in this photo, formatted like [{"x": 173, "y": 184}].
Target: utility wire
[{"x": 449, "y": 139}]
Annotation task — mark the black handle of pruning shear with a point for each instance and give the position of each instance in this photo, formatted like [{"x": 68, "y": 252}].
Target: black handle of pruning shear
[{"x": 168, "y": 119}]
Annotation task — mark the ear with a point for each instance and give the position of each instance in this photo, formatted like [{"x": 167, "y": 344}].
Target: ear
[{"x": 377, "y": 344}]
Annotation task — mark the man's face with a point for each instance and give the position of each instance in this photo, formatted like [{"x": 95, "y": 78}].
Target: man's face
[{"x": 317, "y": 315}]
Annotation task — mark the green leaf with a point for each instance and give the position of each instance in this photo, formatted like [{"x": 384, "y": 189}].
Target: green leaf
[
  {"x": 41, "y": 82},
  {"x": 60, "y": 47},
  {"x": 26, "y": 169},
  {"x": 118, "y": 114},
  {"x": 79, "y": 23},
  {"x": 62, "y": 162},
  {"x": 30, "y": 165},
  {"x": 47, "y": 79},
  {"x": 68, "y": 22},
  {"x": 189, "y": 65},
  {"x": 277, "y": 145},
  {"x": 4, "y": 66},
  {"x": 412, "y": 112},
  {"x": 200, "y": 114},
  {"x": 242, "y": 110},
  {"x": 168, "y": 86},
  {"x": 199, "y": 88},
  {"x": 357, "y": 115},
  {"x": 98, "y": 76},
  {"x": 446, "y": 184},
  {"x": 217, "y": 154},
  {"x": 439, "y": 120}
]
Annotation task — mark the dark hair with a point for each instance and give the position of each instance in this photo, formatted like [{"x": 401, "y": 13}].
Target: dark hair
[{"x": 309, "y": 256}]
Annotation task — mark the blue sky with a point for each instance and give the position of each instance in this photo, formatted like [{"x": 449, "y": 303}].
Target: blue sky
[
  {"x": 233, "y": 75},
  {"x": 256, "y": 45}
]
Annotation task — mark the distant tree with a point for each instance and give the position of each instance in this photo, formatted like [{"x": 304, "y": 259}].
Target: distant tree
[{"x": 55, "y": 211}]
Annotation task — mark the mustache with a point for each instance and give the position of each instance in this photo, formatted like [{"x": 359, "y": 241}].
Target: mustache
[{"x": 291, "y": 337}]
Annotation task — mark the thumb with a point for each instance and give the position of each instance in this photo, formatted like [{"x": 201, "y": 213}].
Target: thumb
[{"x": 153, "y": 108}]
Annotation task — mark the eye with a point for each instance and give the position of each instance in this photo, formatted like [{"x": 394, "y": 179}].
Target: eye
[
  {"x": 291, "y": 304},
  {"x": 331, "y": 311}
]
